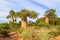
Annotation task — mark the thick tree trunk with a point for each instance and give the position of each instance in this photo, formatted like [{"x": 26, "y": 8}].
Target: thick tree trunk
[
  {"x": 47, "y": 20},
  {"x": 12, "y": 19},
  {"x": 24, "y": 22}
]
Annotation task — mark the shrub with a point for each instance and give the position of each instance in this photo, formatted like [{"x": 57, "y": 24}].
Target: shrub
[
  {"x": 14, "y": 26},
  {"x": 35, "y": 34},
  {"x": 42, "y": 24},
  {"x": 54, "y": 33},
  {"x": 20, "y": 30},
  {"x": 4, "y": 32},
  {"x": 4, "y": 26},
  {"x": 44, "y": 34}
]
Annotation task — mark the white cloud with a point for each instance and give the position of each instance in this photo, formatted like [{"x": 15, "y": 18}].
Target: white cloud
[
  {"x": 6, "y": 5},
  {"x": 46, "y": 3},
  {"x": 55, "y": 1},
  {"x": 3, "y": 14}
]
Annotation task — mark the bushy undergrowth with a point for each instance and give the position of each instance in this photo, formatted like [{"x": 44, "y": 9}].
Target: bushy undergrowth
[
  {"x": 54, "y": 33},
  {"x": 5, "y": 28},
  {"x": 43, "y": 24},
  {"x": 35, "y": 34},
  {"x": 40, "y": 32}
]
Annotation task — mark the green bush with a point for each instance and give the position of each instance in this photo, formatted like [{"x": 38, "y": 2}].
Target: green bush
[
  {"x": 44, "y": 34},
  {"x": 58, "y": 27},
  {"x": 4, "y": 26},
  {"x": 15, "y": 25},
  {"x": 54, "y": 33},
  {"x": 35, "y": 34},
  {"x": 43, "y": 24},
  {"x": 4, "y": 33},
  {"x": 20, "y": 30}
]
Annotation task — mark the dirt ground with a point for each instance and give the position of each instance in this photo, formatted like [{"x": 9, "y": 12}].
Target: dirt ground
[
  {"x": 56, "y": 38},
  {"x": 17, "y": 37},
  {"x": 11, "y": 38}
]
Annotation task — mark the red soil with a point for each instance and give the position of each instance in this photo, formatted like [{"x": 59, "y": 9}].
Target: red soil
[
  {"x": 12, "y": 36},
  {"x": 56, "y": 38}
]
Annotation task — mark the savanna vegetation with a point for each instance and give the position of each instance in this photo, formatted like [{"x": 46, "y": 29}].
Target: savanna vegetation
[{"x": 44, "y": 28}]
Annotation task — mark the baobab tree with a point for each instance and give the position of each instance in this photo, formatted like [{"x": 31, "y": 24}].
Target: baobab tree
[
  {"x": 23, "y": 14},
  {"x": 11, "y": 16},
  {"x": 50, "y": 15}
]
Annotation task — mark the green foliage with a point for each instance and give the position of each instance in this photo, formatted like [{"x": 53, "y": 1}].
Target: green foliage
[
  {"x": 55, "y": 21},
  {"x": 32, "y": 24},
  {"x": 33, "y": 14},
  {"x": 4, "y": 26},
  {"x": 24, "y": 13},
  {"x": 36, "y": 30},
  {"x": 4, "y": 32},
  {"x": 11, "y": 13},
  {"x": 20, "y": 30},
  {"x": 44, "y": 34},
  {"x": 58, "y": 27},
  {"x": 35, "y": 34},
  {"x": 54, "y": 33},
  {"x": 14, "y": 26},
  {"x": 4, "y": 29},
  {"x": 43, "y": 24},
  {"x": 42, "y": 19},
  {"x": 50, "y": 13}
]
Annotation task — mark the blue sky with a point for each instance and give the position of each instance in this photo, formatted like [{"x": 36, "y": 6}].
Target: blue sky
[{"x": 40, "y": 6}]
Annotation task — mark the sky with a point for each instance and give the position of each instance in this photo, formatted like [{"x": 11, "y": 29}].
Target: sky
[{"x": 40, "y": 6}]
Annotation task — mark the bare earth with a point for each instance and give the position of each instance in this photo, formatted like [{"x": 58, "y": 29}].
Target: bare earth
[
  {"x": 56, "y": 38},
  {"x": 12, "y": 36},
  {"x": 17, "y": 37}
]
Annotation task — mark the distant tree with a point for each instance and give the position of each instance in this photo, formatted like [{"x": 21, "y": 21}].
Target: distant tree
[
  {"x": 50, "y": 15},
  {"x": 11, "y": 16},
  {"x": 23, "y": 14}
]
